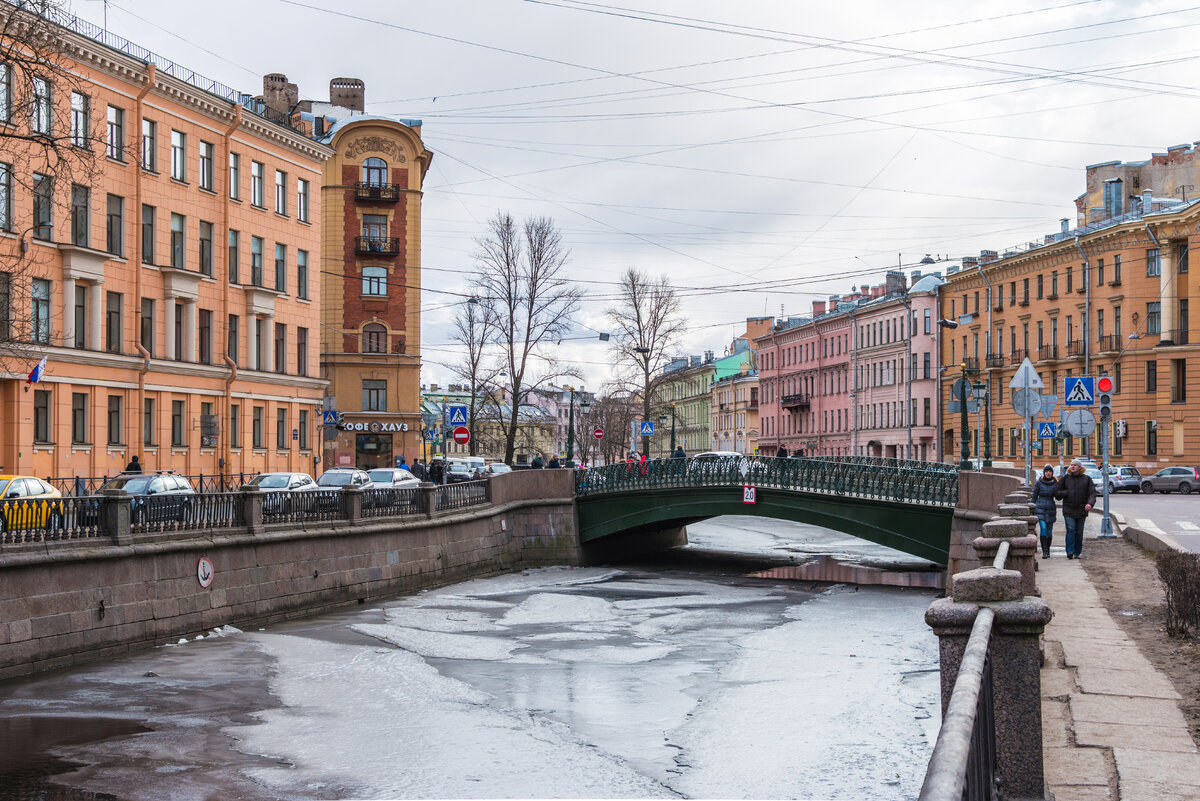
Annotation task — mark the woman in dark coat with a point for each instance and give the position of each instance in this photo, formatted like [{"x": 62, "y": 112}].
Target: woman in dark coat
[{"x": 1046, "y": 510}]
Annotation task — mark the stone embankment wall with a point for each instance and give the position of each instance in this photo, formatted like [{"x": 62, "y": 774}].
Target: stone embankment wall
[{"x": 979, "y": 496}]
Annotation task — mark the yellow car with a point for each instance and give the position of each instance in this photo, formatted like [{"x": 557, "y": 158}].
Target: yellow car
[{"x": 28, "y": 502}]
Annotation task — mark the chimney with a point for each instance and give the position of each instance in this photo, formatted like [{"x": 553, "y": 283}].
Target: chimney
[
  {"x": 433, "y": 387},
  {"x": 988, "y": 256},
  {"x": 969, "y": 261},
  {"x": 818, "y": 308},
  {"x": 278, "y": 94},
  {"x": 708, "y": 356},
  {"x": 894, "y": 282},
  {"x": 878, "y": 291},
  {"x": 1064, "y": 225},
  {"x": 916, "y": 276},
  {"x": 1147, "y": 201},
  {"x": 348, "y": 93}
]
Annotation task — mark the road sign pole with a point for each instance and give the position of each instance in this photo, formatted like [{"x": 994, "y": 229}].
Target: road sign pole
[
  {"x": 1106, "y": 526},
  {"x": 964, "y": 392},
  {"x": 1028, "y": 444}
]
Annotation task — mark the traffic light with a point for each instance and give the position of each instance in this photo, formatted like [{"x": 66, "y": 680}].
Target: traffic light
[
  {"x": 1104, "y": 388},
  {"x": 342, "y": 425}
]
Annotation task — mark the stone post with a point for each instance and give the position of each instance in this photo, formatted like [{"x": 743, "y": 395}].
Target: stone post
[
  {"x": 115, "y": 516},
  {"x": 251, "y": 499},
  {"x": 428, "y": 497},
  {"x": 1020, "y": 511},
  {"x": 1015, "y": 664},
  {"x": 1022, "y": 549},
  {"x": 352, "y": 497}
]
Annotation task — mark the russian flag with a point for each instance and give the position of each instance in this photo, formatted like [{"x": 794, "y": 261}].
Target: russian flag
[{"x": 35, "y": 375}]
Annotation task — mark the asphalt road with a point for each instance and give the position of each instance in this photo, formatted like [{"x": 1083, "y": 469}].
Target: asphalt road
[{"x": 1176, "y": 515}]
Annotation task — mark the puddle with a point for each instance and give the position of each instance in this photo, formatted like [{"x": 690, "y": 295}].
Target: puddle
[{"x": 26, "y": 766}]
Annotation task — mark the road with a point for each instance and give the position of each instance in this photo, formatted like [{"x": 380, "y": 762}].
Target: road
[{"x": 1175, "y": 515}]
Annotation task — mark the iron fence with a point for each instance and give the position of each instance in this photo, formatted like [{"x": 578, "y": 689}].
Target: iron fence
[
  {"x": 200, "y": 482},
  {"x": 901, "y": 480},
  {"x": 461, "y": 495},
  {"x": 185, "y": 512},
  {"x": 299, "y": 507},
  {"x": 392, "y": 502}
]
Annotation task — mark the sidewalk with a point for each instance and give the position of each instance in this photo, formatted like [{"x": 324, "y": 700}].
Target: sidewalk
[{"x": 1111, "y": 724}]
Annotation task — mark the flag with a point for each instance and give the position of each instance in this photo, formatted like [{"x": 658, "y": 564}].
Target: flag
[{"x": 35, "y": 375}]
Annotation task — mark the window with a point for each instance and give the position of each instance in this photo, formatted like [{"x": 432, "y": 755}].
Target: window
[
  {"x": 148, "y": 428},
  {"x": 1151, "y": 438},
  {"x": 256, "y": 263},
  {"x": 115, "y": 227},
  {"x": 1116, "y": 269},
  {"x": 375, "y": 281},
  {"x": 235, "y": 176},
  {"x": 178, "y": 326},
  {"x": 41, "y": 109},
  {"x": 256, "y": 432},
  {"x": 1181, "y": 257},
  {"x": 178, "y": 222},
  {"x": 5, "y": 197},
  {"x": 301, "y": 200},
  {"x": 256, "y": 184},
  {"x": 232, "y": 338},
  {"x": 43, "y": 205},
  {"x": 80, "y": 126},
  {"x": 281, "y": 430},
  {"x": 1152, "y": 375},
  {"x": 259, "y": 335},
  {"x": 40, "y": 311},
  {"x": 178, "y": 156},
  {"x": 235, "y": 425},
  {"x": 375, "y": 171},
  {"x": 81, "y": 217},
  {"x": 1099, "y": 272},
  {"x": 928, "y": 411},
  {"x": 5, "y": 92},
  {"x": 1070, "y": 278},
  {"x": 302, "y": 425},
  {"x": 81, "y": 319},
  {"x": 116, "y": 133},
  {"x": 206, "y": 166},
  {"x": 177, "y": 438},
  {"x": 41, "y": 415},
  {"x": 1154, "y": 317},
  {"x": 114, "y": 420},
  {"x": 149, "y": 145},
  {"x": 375, "y": 226},
  {"x": 374, "y": 338},
  {"x": 205, "y": 342},
  {"x": 280, "y": 267},
  {"x": 281, "y": 192},
  {"x": 374, "y": 395},
  {"x": 147, "y": 325},
  {"x": 302, "y": 274},
  {"x": 280, "y": 348},
  {"x": 301, "y": 351},
  {"x": 112, "y": 316},
  {"x": 1153, "y": 262},
  {"x": 205, "y": 252},
  {"x": 148, "y": 213},
  {"x": 927, "y": 366},
  {"x": 1100, "y": 324},
  {"x": 1054, "y": 285},
  {"x": 234, "y": 277},
  {"x": 79, "y": 415}
]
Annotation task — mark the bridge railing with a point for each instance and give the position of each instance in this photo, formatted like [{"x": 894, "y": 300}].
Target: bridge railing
[{"x": 900, "y": 480}]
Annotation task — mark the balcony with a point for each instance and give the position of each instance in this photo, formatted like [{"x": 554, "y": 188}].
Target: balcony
[
  {"x": 377, "y": 245},
  {"x": 1016, "y": 357},
  {"x": 794, "y": 401},
  {"x": 999, "y": 305},
  {"x": 971, "y": 362},
  {"x": 1177, "y": 335},
  {"x": 1047, "y": 352},
  {"x": 1075, "y": 348},
  {"x": 1024, "y": 302},
  {"x": 1115, "y": 282},
  {"x": 381, "y": 193},
  {"x": 996, "y": 360},
  {"x": 1053, "y": 295},
  {"x": 1109, "y": 343},
  {"x": 1082, "y": 288},
  {"x": 1179, "y": 394}
]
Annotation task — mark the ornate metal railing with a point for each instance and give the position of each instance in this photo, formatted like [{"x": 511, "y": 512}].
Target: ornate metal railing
[
  {"x": 298, "y": 507},
  {"x": 900, "y": 480},
  {"x": 365, "y": 190},
  {"x": 391, "y": 502},
  {"x": 462, "y": 495},
  {"x": 185, "y": 512}
]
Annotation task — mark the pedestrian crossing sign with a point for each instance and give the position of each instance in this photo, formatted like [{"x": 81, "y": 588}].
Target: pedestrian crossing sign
[
  {"x": 1079, "y": 390},
  {"x": 329, "y": 418},
  {"x": 1045, "y": 430},
  {"x": 458, "y": 415},
  {"x": 647, "y": 428}
]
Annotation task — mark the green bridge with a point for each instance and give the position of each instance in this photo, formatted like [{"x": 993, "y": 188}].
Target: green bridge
[{"x": 902, "y": 504}]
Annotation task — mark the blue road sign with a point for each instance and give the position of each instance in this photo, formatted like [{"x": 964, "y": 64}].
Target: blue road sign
[
  {"x": 1045, "y": 430},
  {"x": 329, "y": 418},
  {"x": 458, "y": 415},
  {"x": 647, "y": 428},
  {"x": 1079, "y": 390},
  {"x": 429, "y": 435}
]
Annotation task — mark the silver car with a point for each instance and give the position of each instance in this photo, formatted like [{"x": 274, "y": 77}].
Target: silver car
[
  {"x": 1173, "y": 479},
  {"x": 393, "y": 477},
  {"x": 277, "y": 488},
  {"x": 1123, "y": 477}
]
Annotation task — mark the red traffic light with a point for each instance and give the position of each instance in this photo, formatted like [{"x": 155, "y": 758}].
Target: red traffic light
[{"x": 1104, "y": 384}]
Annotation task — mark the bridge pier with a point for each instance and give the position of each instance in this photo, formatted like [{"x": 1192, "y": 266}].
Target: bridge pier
[{"x": 633, "y": 545}]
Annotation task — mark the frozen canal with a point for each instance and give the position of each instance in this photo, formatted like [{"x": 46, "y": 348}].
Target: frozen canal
[{"x": 681, "y": 678}]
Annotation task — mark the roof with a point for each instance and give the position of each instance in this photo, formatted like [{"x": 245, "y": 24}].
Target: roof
[{"x": 342, "y": 122}]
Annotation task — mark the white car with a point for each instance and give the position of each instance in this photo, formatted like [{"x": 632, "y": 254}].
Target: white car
[
  {"x": 277, "y": 487},
  {"x": 393, "y": 477}
]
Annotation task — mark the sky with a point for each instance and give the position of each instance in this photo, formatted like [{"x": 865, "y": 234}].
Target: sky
[{"x": 761, "y": 155}]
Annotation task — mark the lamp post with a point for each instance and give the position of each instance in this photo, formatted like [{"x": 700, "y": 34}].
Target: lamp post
[
  {"x": 662, "y": 420},
  {"x": 585, "y": 406},
  {"x": 962, "y": 396}
]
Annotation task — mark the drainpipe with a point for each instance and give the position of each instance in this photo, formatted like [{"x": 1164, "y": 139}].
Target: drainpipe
[
  {"x": 908, "y": 367},
  {"x": 227, "y": 448},
  {"x": 1087, "y": 308},
  {"x": 987, "y": 440},
  {"x": 854, "y": 385},
  {"x": 136, "y": 211}
]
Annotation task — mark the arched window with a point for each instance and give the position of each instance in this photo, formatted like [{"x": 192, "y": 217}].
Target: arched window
[
  {"x": 375, "y": 281},
  {"x": 375, "y": 171},
  {"x": 374, "y": 338}
]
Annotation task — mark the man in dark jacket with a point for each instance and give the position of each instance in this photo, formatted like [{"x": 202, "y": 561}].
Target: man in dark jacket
[
  {"x": 1078, "y": 493},
  {"x": 679, "y": 453}
]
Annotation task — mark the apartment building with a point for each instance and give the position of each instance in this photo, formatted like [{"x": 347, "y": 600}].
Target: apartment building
[
  {"x": 173, "y": 297},
  {"x": 685, "y": 392}
]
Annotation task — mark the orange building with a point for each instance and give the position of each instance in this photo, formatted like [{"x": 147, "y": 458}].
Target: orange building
[{"x": 175, "y": 291}]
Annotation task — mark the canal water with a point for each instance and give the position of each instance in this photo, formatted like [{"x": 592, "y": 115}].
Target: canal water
[{"x": 682, "y": 677}]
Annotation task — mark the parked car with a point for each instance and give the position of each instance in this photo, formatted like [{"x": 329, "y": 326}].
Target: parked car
[
  {"x": 1173, "y": 479},
  {"x": 278, "y": 486},
  {"x": 27, "y": 502},
  {"x": 1094, "y": 474},
  {"x": 1124, "y": 477},
  {"x": 458, "y": 471},
  {"x": 492, "y": 469},
  {"x": 393, "y": 477},
  {"x": 157, "y": 497},
  {"x": 338, "y": 478}
]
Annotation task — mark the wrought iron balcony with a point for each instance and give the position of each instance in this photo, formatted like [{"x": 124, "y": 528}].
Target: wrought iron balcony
[
  {"x": 996, "y": 360},
  {"x": 384, "y": 193},
  {"x": 797, "y": 401},
  {"x": 1075, "y": 348},
  {"x": 1016, "y": 357},
  {"x": 377, "y": 245},
  {"x": 1082, "y": 288},
  {"x": 1048, "y": 352},
  {"x": 1024, "y": 301},
  {"x": 1115, "y": 282},
  {"x": 971, "y": 362},
  {"x": 1109, "y": 343},
  {"x": 1053, "y": 295}
]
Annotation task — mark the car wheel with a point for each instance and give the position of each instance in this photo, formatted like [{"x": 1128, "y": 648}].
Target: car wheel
[
  {"x": 1147, "y": 487},
  {"x": 1185, "y": 488}
]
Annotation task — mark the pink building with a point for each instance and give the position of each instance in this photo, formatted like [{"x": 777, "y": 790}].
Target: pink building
[{"x": 850, "y": 379}]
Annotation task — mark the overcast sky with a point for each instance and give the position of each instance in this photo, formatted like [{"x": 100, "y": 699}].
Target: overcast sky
[{"x": 761, "y": 154}]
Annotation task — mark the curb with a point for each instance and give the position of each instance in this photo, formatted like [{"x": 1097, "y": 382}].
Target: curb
[{"x": 1148, "y": 540}]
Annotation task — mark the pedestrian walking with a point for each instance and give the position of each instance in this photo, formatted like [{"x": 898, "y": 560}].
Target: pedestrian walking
[
  {"x": 1045, "y": 506},
  {"x": 437, "y": 470},
  {"x": 536, "y": 464},
  {"x": 134, "y": 465},
  {"x": 1078, "y": 494},
  {"x": 781, "y": 452},
  {"x": 679, "y": 453},
  {"x": 554, "y": 465}
]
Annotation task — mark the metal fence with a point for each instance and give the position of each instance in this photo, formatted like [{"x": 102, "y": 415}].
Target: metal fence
[
  {"x": 901, "y": 480},
  {"x": 299, "y": 507},
  {"x": 391, "y": 502},
  {"x": 461, "y": 495},
  {"x": 201, "y": 482},
  {"x": 185, "y": 512},
  {"x": 48, "y": 520}
]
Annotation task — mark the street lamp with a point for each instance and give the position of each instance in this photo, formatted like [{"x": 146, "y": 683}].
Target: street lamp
[
  {"x": 585, "y": 406},
  {"x": 662, "y": 420}
]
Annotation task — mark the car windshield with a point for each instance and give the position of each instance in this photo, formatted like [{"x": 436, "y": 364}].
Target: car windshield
[
  {"x": 134, "y": 485},
  {"x": 500, "y": 468},
  {"x": 459, "y": 468},
  {"x": 274, "y": 481},
  {"x": 335, "y": 479},
  {"x": 381, "y": 476}
]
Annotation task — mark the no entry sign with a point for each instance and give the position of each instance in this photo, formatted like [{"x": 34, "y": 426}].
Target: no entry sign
[
  {"x": 598, "y": 433},
  {"x": 461, "y": 435}
]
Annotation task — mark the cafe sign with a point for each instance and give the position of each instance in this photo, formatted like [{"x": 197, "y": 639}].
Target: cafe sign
[{"x": 377, "y": 427}]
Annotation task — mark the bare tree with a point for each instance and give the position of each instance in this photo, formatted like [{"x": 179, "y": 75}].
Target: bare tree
[
  {"x": 527, "y": 305},
  {"x": 50, "y": 144},
  {"x": 476, "y": 369},
  {"x": 614, "y": 412},
  {"x": 648, "y": 327}
]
